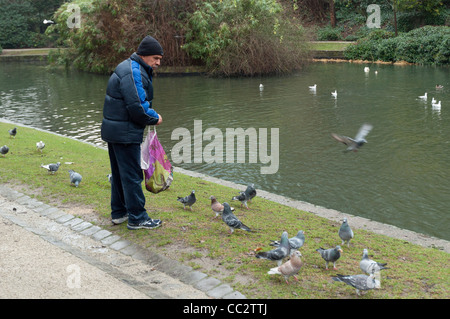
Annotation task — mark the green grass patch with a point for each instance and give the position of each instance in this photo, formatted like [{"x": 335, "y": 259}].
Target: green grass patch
[
  {"x": 328, "y": 45},
  {"x": 415, "y": 271}
]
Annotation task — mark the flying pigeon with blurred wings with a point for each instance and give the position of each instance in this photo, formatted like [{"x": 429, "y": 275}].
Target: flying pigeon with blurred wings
[{"x": 354, "y": 144}]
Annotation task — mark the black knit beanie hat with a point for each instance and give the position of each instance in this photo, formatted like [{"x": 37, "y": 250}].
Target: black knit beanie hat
[{"x": 149, "y": 46}]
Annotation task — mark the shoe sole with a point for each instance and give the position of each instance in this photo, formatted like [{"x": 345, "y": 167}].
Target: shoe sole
[{"x": 141, "y": 227}]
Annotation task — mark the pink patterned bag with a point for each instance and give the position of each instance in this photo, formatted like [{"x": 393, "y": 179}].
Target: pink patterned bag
[{"x": 155, "y": 163}]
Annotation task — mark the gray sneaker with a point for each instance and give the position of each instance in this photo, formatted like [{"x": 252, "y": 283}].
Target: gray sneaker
[{"x": 120, "y": 220}]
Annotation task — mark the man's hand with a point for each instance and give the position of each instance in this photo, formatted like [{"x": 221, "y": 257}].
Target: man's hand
[{"x": 160, "y": 119}]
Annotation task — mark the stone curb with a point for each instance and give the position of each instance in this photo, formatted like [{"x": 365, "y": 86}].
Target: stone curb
[{"x": 209, "y": 285}]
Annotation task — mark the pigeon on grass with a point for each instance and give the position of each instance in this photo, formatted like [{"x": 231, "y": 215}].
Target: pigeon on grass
[
  {"x": 279, "y": 253},
  {"x": 330, "y": 255},
  {"x": 370, "y": 266},
  {"x": 188, "y": 200},
  {"x": 4, "y": 150},
  {"x": 217, "y": 207},
  {"x": 12, "y": 132},
  {"x": 231, "y": 220},
  {"x": 289, "y": 268},
  {"x": 40, "y": 146},
  {"x": 75, "y": 178},
  {"x": 295, "y": 242},
  {"x": 51, "y": 168},
  {"x": 246, "y": 196},
  {"x": 345, "y": 232},
  {"x": 354, "y": 144},
  {"x": 359, "y": 282}
]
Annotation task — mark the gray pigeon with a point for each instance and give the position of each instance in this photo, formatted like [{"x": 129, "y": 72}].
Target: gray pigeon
[
  {"x": 345, "y": 232},
  {"x": 330, "y": 255},
  {"x": 277, "y": 254},
  {"x": 12, "y": 132},
  {"x": 289, "y": 268},
  {"x": 359, "y": 282},
  {"x": 75, "y": 178},
  {"x": 231, "y": 220},
  {"x": 370, "y": 266},
  {"x": 51, "y": 168},
  {"x": 358, "y": 141},
  {"x": 109, "y": 176},
  {"x": 250, "y": 192},
  {"x": 3, "y": 150},
  {"x": 295, "y": 242},
  {"x": 40, "y": 146},
  {"x": 188, "y": 200}
]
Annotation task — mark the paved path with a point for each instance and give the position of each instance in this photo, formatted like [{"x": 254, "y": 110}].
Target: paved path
[{"x": 47, "y": 253}]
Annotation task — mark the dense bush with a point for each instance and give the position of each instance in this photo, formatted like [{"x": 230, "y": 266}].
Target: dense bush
[
  {"x": 111, "y": 31},
  {"x": 329, "y": 34},
  {"x": 426, "y": 45},
  {"x": 246, "y": 37}
]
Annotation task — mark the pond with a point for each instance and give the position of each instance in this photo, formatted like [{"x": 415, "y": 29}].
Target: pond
[{"x": 400, "y": 177}]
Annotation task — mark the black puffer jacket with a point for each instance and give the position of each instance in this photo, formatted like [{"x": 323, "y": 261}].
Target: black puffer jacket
[{"x": 128, "y": 102}]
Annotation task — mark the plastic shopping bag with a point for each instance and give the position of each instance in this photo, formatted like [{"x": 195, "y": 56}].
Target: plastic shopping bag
[{"x": 155, "y": 163}]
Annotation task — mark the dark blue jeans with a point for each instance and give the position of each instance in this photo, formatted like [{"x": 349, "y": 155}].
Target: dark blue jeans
[{"x": 126, "y": 186}]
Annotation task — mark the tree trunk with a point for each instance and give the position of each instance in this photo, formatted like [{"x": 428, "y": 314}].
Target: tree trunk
[
  {"x": 332, "y": 14},
  {"x": 395, "y": 18}
]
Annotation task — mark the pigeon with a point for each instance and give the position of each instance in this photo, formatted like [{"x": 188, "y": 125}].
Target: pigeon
[
  {"x": 51, "y": 168},
  {"x": 313, "y": 87},
  {"x": 75, "y": 178},
  {"x": 359, "y": 282},
  {"x": 109, "y": 177},
  {"x": 247, "y": 195},
  {"x": 40, "y": 145},
  {"x": 217, "y": 207},
  {"x": 423, "y": 97},
  {"x": 277, "y": 254},
  {"x": 289, "y": 268},
  {"x": 358, "y": 141},
  {"x": 334, "y": 94},
  {"x": 12, "y": 132},
  {"x": 295, "y": 242},
  {"x": 370, "y": 266},
  {"x": 231, "y": 220},
  {"x": 3, "y": 150},
  {"x": 48, "y": 21},
  {"x": 345, "y": 232},
  {"x": 188, "y": 200},
  {"x": 330, "y": 255}
]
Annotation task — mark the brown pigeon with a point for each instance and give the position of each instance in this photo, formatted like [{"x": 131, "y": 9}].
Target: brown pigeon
[{"x": 289, "y": 268}]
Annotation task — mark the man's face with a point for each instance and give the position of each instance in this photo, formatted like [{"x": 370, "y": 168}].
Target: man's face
[{"x": 153, "y": 60}]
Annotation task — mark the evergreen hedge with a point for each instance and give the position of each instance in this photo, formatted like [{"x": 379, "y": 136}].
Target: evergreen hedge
[{"x": 426, "y": 45}]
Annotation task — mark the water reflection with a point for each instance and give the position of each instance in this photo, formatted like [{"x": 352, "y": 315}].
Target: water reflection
[{"x": 400, "y": 177}]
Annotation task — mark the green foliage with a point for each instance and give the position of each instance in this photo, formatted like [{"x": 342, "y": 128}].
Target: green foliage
[
  {"x": 426, "y": 45},
  {"x": 329, "y": 33},
  {"x": 21, "y": 22},
  {"x": 243, "y": 37}
]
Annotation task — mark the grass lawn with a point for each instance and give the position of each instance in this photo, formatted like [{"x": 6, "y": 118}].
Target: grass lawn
[
  {"x": 198, "y": 240},
  {"x": 329, "y": 45}
]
